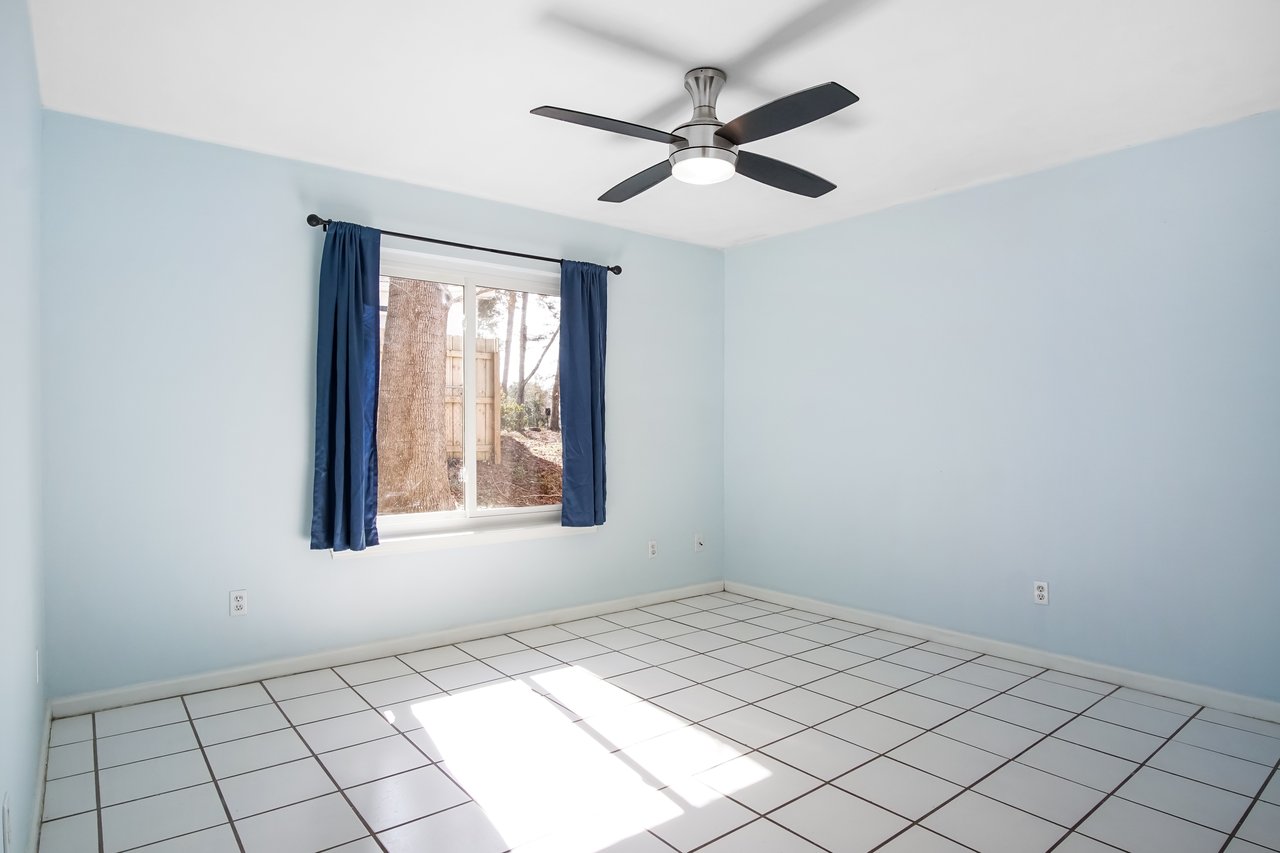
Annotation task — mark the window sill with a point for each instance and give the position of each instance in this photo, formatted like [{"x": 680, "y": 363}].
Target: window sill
[{"x": 409, "y": 543}]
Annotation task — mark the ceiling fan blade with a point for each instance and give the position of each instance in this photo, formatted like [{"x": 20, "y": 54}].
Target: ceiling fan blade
[
  {"x": 674, "y": 110},
  {"x": 821, "y": 17},
  {"x": 616, "y": 36},
  {"x": 782, "y": 175},
  {"x": 787, "y": 113},
  {"x": 612, "y": 125},
  {"x": 639, "y": 182}
]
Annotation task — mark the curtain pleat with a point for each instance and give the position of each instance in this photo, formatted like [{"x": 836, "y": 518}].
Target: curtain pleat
[
  {"x": 583, "y": 320},
  {"x": 345, "y": 492}
]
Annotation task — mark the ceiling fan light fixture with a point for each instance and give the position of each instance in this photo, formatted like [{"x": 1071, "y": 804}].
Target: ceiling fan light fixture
[
  {"x": 703, "y": 165},
  {"x": 704, "y": 150}
]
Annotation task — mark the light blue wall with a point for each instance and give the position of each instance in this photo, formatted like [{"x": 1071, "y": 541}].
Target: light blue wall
[
  {"x": 21, "y": 699},
  {"x": 1072, "y": 376},
  {"x": 179, "y": 315}
]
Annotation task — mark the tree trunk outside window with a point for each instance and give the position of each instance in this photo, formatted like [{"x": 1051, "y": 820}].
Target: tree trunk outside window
[
  {"x": 413, "y": 465},
  {"x": 554, "y": 423}
]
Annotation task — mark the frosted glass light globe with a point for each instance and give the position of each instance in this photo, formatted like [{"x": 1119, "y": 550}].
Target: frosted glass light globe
[{"x": 702, "y": 170}]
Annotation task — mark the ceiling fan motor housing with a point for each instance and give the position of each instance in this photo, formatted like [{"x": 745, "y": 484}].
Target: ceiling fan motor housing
[{"x": 701, "y": 142}]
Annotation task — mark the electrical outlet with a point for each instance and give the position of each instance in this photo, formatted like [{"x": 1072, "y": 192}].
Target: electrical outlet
[
  {"x": 1040, "y": 592},
  {"x": 653, "y": 548},
  {"x": 239, "y": 602},
  {"x": 698, "y": 543}
]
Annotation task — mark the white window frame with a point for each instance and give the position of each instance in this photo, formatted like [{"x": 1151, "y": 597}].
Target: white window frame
[{"x": 456, "y": 526}]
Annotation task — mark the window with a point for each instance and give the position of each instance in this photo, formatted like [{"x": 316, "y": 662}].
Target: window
[{"x": 468, "y": 400}]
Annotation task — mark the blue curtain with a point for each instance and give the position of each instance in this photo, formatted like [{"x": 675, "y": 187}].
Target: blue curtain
[
  {"x": 345, "y": 496},
  {"x": 583, "y": 316}
]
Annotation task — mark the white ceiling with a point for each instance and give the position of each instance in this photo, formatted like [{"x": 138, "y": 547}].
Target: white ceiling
[{"x": 438, "y": 93}]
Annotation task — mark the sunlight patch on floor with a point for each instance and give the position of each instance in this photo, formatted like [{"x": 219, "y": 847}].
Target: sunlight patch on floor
[{"x": 548, "y": 784}]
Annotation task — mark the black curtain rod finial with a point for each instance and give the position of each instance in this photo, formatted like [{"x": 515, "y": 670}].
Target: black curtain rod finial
[{"x": 313, "y": 220}]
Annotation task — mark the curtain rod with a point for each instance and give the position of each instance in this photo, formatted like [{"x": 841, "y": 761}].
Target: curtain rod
[{"x": 314, "y": 220}]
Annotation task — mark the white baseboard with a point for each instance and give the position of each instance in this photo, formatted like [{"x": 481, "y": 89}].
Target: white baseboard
[
  {"x": 102, "y": 700},
  {"x": 42, "y": 770},
  {"x": 1197, "y": 694},
  {"x": 1224, "y": 700}
]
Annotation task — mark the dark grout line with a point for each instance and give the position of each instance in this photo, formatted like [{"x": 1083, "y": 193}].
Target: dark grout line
[
  {"x": 824, "y": 782},
  {"x": 1026, "y": 678},
  {"x": 1107, "y": 795},
  {"x": 97, "y": 782},
  {"x": 885, "y": 754},
  {"x": 1134, "y": 772},
  {"x": 412, "y": 743},
  {"x": 216, "y": 786},
  {"x": 187, "y": 718},
  {"x": 672, "y": 640},
  {"x": 430, "y": 761},
  {"x": 467, "y": 801},
  {"x": 157, "y": 794},
  {"x": 756, "y": 819},
  {"x": 618, "y": 752},
  {"x": 1249, "y": 808},
  {"x": 344, "y": 844},
  {"x": 1166, "y": 741},
  {"x": 315, "y": 756},
  {"x": 312, "y": 798},
  {"x": 975, "y": 709},
  {"x": 143, "y": 847},
  {"x": 660, "y": 840},
  {"x": 270, "y": 810},
  {"x": 1008, "y": 760}
]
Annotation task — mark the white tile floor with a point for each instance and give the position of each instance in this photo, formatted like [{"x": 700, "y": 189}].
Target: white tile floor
[{"x": 715, "y": 723}]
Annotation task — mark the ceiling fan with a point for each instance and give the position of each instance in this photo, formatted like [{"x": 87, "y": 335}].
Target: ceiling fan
[{"x": 704, "y": 150}]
